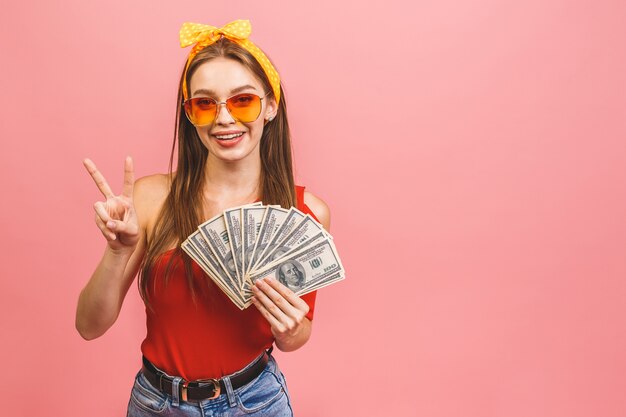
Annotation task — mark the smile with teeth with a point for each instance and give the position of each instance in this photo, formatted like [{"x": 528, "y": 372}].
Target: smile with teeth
[{"x": 225, "y": 137}]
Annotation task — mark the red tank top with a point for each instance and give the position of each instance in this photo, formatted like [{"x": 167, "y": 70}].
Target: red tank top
[{"x": 210, "y": 338}]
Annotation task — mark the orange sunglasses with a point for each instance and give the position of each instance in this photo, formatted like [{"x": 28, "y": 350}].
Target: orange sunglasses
[{"x": 202, "y": 111}]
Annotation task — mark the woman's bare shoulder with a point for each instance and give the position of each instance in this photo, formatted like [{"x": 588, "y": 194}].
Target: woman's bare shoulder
[
  {"x": 149, "y": 194},
  {"x": 152, "y": 186},
  {"x": 319, "y": 208}
]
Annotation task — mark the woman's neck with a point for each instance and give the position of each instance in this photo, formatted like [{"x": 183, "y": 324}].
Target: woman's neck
[{"x": 229, "y": 182}]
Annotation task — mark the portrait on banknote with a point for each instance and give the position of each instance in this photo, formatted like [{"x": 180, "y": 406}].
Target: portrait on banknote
[{"x": 291, "y": 274}]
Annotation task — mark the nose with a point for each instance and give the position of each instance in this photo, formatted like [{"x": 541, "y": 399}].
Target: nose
[{"x": 223, "y": 116}]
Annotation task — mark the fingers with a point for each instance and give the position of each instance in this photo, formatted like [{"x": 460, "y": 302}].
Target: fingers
[
  {"x": 101, "y": 211},
  {"x": 103, "y": 186},
  {"x": 288, "y": 294},
  {"x": 273, "y": 321},
  {"x": 106, "y": 232},
  {"x": 129, "y": 178},
  {"x": 283, "y": 309},
  {"x": 110, "y": 226},
  {"x": 98, "y": 178},
  {"x": 120, "y": 226},
  {"x": 278, "y": 319}
]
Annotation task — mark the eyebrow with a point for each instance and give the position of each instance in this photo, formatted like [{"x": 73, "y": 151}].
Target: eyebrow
[{"x": 234, "y": 90}]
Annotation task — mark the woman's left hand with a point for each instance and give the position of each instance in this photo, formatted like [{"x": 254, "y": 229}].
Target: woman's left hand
[{"x": 285, "y": 312}]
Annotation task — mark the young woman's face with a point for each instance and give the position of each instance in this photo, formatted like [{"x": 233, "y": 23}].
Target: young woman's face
[{"x": 220, "y": 79}]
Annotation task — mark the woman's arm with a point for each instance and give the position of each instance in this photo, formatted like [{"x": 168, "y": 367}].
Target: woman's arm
[
  {"x": 285, "y": 311},
  {"x": 319, "y": 208},
  {"x": 100, "y": 301},
  {"x": 122, "y": 220}
]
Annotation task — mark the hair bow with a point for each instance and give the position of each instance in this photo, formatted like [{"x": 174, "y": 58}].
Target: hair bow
[{"x": 237, "y": 31}]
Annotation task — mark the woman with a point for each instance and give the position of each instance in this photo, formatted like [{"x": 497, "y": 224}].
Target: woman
[{"x": 202, "y": 355}]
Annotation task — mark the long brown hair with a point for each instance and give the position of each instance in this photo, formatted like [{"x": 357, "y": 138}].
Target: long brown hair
[{"x": 182, "y": 210}]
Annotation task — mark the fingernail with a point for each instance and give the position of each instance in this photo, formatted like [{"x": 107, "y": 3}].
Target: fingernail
[{"x": 111, "y": 225}]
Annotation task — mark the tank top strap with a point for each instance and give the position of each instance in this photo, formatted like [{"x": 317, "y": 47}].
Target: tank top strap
[{"x": 300, "y": 197}]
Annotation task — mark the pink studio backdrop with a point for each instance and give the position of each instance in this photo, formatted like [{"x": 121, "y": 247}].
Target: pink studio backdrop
[{"x": 473, "y": 156}]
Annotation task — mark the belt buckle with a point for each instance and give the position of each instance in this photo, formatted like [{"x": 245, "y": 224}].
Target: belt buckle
[
  {"x": 216, "y": 387},
  {"x": 183, "y": 391}
]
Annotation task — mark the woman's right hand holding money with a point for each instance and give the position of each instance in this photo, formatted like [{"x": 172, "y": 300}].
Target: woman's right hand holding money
[{"x": 116, "y": 217}]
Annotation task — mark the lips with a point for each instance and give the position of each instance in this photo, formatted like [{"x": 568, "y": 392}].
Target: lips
[
  {"x": 230, "y": 142},
  {"x": 227, "y": 132}
]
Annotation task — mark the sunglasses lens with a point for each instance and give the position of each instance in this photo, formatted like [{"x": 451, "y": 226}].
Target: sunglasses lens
[
  {"x": 200, "y": 110},
  {"x": 245, "y": 108}
]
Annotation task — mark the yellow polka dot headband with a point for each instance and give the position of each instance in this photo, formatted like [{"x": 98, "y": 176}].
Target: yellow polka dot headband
[{"x": 236, "y": 31}]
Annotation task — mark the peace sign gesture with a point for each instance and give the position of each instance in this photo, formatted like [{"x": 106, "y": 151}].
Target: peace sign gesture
[{"x": 116, "y": 216}]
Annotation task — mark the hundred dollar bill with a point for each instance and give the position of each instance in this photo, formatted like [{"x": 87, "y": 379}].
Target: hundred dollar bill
[
  {"x": 302, "y": 233},
  {"x": 252, "y": 219},
  {"x": 272, "y": 221},
  {"x": 283, "y": 252},
  {"x": 191, "y": 251},
  {"x": 196, "y": 242},
  {"x": 329, "y": 280},
  {"x": 311, "y": 266},
  {"x": 233, "y": 219},
  {"x": 316, "y": 284},
  {"x": 248, "y": 242},
  {"x": 294, "y": 217},
  {"x": 215, "y": 233},
  {"x": 190, "y": 248},
  {"x": 202, "y": 248}
]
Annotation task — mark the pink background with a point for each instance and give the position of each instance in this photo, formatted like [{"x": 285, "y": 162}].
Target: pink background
[{"x": 473, "y": 156}]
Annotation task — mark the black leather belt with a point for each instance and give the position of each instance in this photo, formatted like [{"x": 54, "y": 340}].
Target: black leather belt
[{"x": 203, "y": 389}]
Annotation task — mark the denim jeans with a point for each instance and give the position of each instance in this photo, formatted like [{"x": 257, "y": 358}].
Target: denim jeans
[{"x": 266, "y": 395}]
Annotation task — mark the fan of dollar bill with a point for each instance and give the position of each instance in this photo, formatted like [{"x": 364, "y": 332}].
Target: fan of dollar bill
[{"x": 254, "y": 241}]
